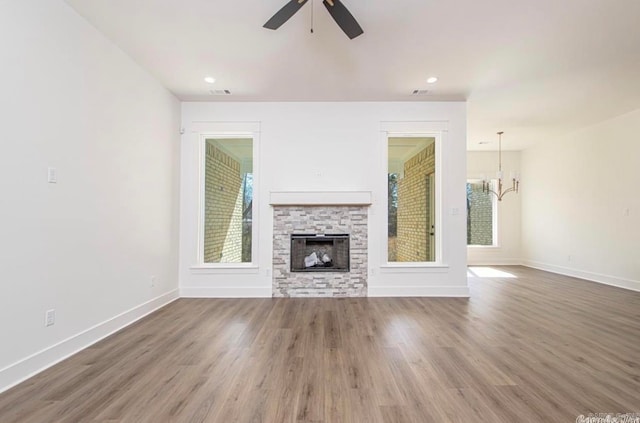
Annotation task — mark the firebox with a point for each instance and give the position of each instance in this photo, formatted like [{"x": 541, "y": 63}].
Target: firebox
[{"x": 320, "y": 253}]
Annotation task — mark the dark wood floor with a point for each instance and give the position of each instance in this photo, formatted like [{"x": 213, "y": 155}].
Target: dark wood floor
[{"x": 535, "y": 348}]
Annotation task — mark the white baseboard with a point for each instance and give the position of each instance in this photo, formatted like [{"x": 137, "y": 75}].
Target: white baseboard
[
  {"x": 382, "y": 291},
  {"x": 494, "y": 262},
  {"x": 418, "y": 291},
  {"x": 590, "y": 276},
  {"x": 42, "y": 360},
  {"x": 225, "y": 292}
]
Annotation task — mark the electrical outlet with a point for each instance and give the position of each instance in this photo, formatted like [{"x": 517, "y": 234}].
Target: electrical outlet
[
  {"x": 153, "y": 281},
  {"x": 569, "y": 258},
  {"x": 52, "y": 175},
  {"x": 50, "y": 318}
]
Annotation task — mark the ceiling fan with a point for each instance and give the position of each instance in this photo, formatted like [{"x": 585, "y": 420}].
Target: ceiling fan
[{"x": 337, "y": 10}]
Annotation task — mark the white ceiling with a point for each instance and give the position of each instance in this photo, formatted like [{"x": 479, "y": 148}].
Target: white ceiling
[
  {"x": 239, "y": 148},
  {"x": 402, "y": 149},
  {"x": 533, "y": 69}
]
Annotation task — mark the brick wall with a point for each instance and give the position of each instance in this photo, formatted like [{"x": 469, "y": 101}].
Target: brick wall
[
  {"x": 480, "y": 216},
  {"x": 350, "y": 220},
  {"x": 223, "y": 208},
  {"x": 412, "y": 242}
]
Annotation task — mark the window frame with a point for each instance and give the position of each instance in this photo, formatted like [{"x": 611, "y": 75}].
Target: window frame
[
  {"x": 440, "y": 260},
  {"x": 494, "y": 217},
  {"x": 202, "y": 142}
]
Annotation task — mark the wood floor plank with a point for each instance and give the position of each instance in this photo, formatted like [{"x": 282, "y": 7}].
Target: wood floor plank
[{"x": 531, "y": 347}]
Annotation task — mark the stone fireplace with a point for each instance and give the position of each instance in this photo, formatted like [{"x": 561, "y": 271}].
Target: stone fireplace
[{"x": 320, "y": 232}]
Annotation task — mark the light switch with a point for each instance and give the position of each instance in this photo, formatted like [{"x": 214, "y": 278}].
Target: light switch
[{"x": 52, "y": 175}]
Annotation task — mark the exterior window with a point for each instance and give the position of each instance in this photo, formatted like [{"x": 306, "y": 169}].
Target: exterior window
[
  {"x": 411, "y": 211},
  {"x": 228, "y": 200},
  {"x": 481, "y": 215}
]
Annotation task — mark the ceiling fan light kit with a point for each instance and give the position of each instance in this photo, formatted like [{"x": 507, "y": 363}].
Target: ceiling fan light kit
[{"x": 336, "y": 9}]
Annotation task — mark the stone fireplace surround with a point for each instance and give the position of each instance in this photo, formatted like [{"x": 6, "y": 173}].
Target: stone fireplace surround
[{"x": 320, "y": 213}]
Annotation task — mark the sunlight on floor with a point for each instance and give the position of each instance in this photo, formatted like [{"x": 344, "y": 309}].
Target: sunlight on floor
[{"x": 488, "y": 272}]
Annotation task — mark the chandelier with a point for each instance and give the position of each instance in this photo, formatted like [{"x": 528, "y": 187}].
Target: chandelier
[{"x": 488, "y": 186}]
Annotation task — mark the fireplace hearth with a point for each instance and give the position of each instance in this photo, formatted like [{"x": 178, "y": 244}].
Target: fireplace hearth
[{"x": 319, "y": 253}]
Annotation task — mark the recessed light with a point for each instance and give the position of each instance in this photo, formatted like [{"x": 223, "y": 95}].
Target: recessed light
[
  {"x": 432, "y": 80},
  {"x": 209, "y": 80}
]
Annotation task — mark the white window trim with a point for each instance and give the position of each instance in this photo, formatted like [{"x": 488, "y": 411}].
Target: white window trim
[
  {"x": 437, "y": 130},
  {"x": 226, "y": 130},
  {"x": 225, "y": 268}
]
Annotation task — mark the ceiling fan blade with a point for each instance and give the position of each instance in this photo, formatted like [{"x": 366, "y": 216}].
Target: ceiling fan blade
[
  {"x": 284, "y": 14},
  {"x": 343, "y": 18}
]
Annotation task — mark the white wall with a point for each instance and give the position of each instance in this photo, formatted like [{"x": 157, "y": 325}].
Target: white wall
[
  {"x": 326, "y": 147},
  {"x": 87, "y": 245},
  {"x": 507, "y": 251},
  {"x": 581, "y": 213}
]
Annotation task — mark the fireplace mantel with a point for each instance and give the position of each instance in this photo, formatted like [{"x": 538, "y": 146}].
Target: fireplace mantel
[{"x": 320, "y": 198}]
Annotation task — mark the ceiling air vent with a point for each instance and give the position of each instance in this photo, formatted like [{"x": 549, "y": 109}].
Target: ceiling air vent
[
  {"x": 420, "y": 92},
  {"x": 220, "y": 92}
]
